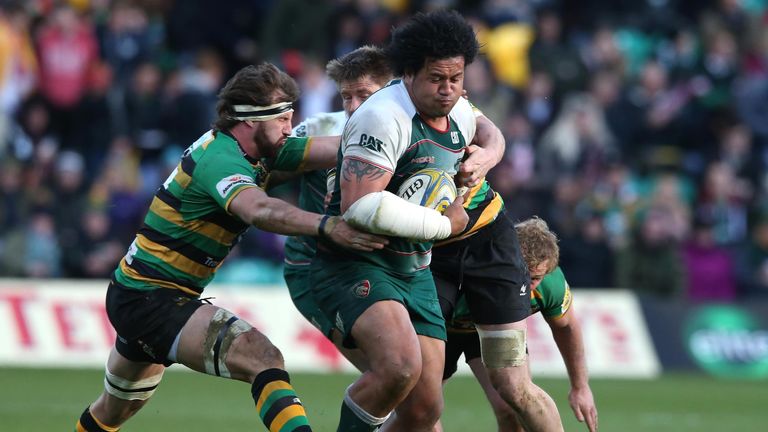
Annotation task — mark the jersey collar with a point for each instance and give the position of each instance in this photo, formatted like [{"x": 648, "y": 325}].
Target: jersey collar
[{"x": 252, "y": 161}]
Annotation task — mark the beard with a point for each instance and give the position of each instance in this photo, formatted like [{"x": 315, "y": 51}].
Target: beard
[{"x": 266, "y": 146}]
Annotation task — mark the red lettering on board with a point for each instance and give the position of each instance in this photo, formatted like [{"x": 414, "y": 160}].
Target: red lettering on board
[{"x": 17, "y": 303}]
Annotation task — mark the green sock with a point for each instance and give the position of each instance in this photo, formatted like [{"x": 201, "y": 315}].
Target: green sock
[
  {"x": 277, "y": 404},
  {"x": 356, "y": 419},
  {"x": 350, "y": 422}
]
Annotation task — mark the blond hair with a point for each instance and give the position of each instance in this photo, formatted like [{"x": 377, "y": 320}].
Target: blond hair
[{"x": 538, "y": 243}]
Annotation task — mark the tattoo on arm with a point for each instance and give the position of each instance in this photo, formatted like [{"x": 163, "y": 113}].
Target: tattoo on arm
[{"x": 359, "y": 170}]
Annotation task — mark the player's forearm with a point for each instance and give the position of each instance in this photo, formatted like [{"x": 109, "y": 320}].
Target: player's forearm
[
  {"x": 490, "y": 138},
  {"x": 570, "y": 343},
  {"x": 274, "y": 215},
  {"x": 387, "y": 214}
]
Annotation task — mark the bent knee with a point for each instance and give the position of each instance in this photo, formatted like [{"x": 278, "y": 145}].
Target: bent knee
[
  {"x": 398, "y": 375},
  {"x": 252, "y": 354}
]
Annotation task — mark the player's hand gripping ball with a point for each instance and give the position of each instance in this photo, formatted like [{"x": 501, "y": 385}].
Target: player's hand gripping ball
[{"x": 429, "y": 188}]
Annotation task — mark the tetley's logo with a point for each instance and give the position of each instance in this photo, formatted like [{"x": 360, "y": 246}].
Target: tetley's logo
[
  {"x": 362, "y": 289},
  {"x": 371, "y": 142}
]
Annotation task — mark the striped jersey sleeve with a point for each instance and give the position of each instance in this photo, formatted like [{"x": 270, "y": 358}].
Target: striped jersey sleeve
[{"x": 553, "y": 295}]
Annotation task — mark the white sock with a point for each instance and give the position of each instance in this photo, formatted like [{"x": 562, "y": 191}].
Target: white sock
[{"x": 361, "y": 413}]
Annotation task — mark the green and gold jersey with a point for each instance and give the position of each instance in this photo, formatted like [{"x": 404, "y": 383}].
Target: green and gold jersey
[
  {"x": 313, "y": 185},
  {"x": 483, "y": 206},
  {"x": 188, "y": 230},
  {"x": 386, "y": 131},
  {"x": 552, "y": 298}
]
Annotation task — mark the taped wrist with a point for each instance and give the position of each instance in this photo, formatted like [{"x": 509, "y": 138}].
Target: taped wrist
[{"x": 386, "y": 213}]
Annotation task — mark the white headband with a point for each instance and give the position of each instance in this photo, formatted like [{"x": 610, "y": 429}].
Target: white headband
[{"x": 261, "y": 113}]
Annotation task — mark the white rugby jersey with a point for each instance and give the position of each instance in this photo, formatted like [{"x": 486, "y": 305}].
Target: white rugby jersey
[{"x": 386, "y": 131}]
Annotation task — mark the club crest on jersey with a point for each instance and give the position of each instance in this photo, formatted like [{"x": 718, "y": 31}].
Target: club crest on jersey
[
  {"x": 362, "y": 289},
  {"x": 370, "y": 142},
  {"x": 455, "y": 137},
  {"x": 225, "y": 185}
]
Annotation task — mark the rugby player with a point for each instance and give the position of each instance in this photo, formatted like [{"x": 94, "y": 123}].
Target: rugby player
[
  {"x": 195, "y": 218},
  {"x": 358, "y": 75},
  {"x": 384, "y": 302},
  {"x": 484, "y": 262},
  {"x": 551, "y": 296}
]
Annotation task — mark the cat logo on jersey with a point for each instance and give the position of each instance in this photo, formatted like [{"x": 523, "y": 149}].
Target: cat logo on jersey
[
  {"x": 370, "y": 142},
  {"x": 362, "y": 289},
  {"x": 225, "y": 185},
  {"x": 301, "y": 131}
]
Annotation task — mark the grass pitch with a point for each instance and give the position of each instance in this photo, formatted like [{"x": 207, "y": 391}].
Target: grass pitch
[{"x": 52, "y": 399}]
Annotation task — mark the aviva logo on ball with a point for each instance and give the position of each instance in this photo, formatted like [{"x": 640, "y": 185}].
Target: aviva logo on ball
[{"x": 429, "y": 188}]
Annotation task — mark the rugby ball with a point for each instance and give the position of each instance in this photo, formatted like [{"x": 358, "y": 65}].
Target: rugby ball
[{"x": 429, "y": 188}]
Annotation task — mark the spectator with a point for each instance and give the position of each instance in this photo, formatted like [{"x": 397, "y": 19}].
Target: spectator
[
  {"x": 18, "y": 65},
  {"x": 651, "y": 263},
  {"x": 671, "y": 118},
  {"x": 710, "y": 273},
  {"x": 127, "y": 40},
  {"x": 514, "y": 177},
  {"x": 67, "y": 48},
  {"x": 191, "y": 96},
  {"x": 117, "y": 189},
  {"x": 12, "y": 200},
  {"x": 726, "y": 198},
  {"x": 578, "y": 142},
  {"x": 40, "y": 249},
  {"x": 146, "y": 110},
  {"x": 550, "y": 53},
  {"x": 317, "y": 91},
  {"x": 538, "y": 101},
  {"x": 95, "y": 121},
  {"x": 753, "y": 261},
  {"x": 97, "y": 251},
  {"x": 493, "y": 99},
  {"x": 586, "y": 254}
]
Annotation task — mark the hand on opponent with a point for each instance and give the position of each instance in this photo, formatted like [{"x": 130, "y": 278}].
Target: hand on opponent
[{"x": 343, "y": 234}]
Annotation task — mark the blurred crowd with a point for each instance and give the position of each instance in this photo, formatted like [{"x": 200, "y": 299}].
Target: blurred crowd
[{"x": 637, "y": 128}]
